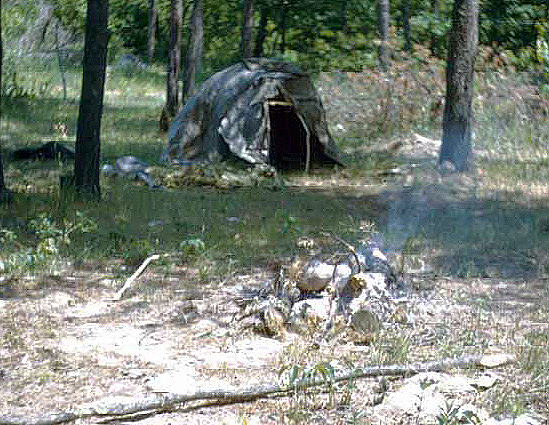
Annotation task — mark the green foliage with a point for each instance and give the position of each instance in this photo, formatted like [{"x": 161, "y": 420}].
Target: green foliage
[
  {"x": 71, "y": 13},
  {"x": 510, "y": 24},
  {"x": 128, "y": 21},
  {"x": 192, "y": 248},
  {"x": 52, "y": 238},
  {"x": 52, "y": 241},
  {"x": 136, "y": 251},
  {"x": 302, "y": 378},
  {"x": 452, "y": 415},
  {"x": 318, "y": 35},
  {"x": 288, "y": 223}
]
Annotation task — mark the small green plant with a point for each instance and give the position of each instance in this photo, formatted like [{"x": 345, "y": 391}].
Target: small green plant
[
  {"x": 192, "y": 248},
  {"x": 455, "y": 415},
  {"x": 302, "y": 378},
  {"x": 288, "y": 223},
  {"x": 52, "y": 238},
  {"x": 137, "y": 251}
]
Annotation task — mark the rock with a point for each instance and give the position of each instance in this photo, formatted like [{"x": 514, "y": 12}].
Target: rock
[
  {"x": 496, "y": 360},
  {"x": 317, "y": 277},
  {"x": 365, "y": 322},
  {"x": 308, "y": 314},
  {"x": 406, "y": 399},
  {"x": 341, "y": 276},
  {"x": 424, "y": 396},
  {"x": 485, "y": 381},
  {"x": 367, "y": 292},
  {"x": 454, "y": 385},
  {"x": 432, "y": 403}
]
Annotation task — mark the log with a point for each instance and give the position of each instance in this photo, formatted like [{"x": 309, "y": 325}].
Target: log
[{"x": 161, "y": 402}]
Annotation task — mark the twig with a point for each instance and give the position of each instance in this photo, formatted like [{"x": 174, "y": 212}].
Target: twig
[
  {"x": 347, "y": 245},
  {"x": 239, "y": 394},
  {"x": 118, "y": 296}
]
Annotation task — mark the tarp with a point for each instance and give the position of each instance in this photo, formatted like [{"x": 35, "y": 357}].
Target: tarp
[{"x": 258, "y": 110}]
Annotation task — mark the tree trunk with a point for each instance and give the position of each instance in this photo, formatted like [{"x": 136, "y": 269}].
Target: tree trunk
[
  {"x": 343, "y": 17},
  {"x": 384, "y": 34},
  {"x": 458, "y": 115},
  {"x": 261, "y": 32},
  {"x": 194, "y": 48},
  {"x": 172, "y": 88},
  {"x": 2, "y": 186},
  {"x": 247, "y": 27},
  {"x": 434, "y": 39},
  {"x": 283, "y": 26},
  {"x": 86, "y": 162},
  {"x": 406, "y": 25},
  {"x": 152, "y": 30}
]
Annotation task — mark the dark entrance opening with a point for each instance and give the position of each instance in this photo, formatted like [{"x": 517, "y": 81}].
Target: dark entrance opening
[{"x": 288, "y": 144}]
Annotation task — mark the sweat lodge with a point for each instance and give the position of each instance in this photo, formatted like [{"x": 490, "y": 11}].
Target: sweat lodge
[{"x": 260, "y": 111}]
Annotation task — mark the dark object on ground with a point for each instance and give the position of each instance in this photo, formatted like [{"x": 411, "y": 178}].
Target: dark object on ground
[
  {"x": 261, "y": 111},
  {"x": 49, "y": 150},
  {"x": 130, "y": 167}
]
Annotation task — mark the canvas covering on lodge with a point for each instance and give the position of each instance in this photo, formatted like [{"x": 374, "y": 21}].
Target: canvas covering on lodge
[{"x": 258, "y": 110}]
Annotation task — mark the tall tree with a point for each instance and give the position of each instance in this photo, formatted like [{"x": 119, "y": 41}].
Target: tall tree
[
  {"x": 247, "y": 27},
  {"x": 261, "y": 31},
  {"x": 283, "y": 23},
  {"x": 406, "y": 25},
  {"x": 87, "y": 149},
  {"x": 4, "y": 194},
  {"x": 194, "y": 48},
  {"x": 152, "y": 29},
  {"x": 172, "y": 89},
  {"x": 433, "y": 41},
  {"x": 458, "y": 113},
  {"x": 383, "y": 11}
]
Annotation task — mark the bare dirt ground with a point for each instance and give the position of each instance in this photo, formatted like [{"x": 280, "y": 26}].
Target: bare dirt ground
[{"x": 66, "y": 342}]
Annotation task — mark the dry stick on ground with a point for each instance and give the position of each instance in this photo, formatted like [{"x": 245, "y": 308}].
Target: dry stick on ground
[
  {"x": 120, "y": 294},
  {"x": 110, "y": 407}
]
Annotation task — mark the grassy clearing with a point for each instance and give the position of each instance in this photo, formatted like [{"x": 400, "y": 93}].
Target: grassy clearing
[{"x": 489, "y": 227}]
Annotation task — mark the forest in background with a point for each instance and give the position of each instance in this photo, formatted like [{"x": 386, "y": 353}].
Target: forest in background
[{"x": 320, "y": 36}]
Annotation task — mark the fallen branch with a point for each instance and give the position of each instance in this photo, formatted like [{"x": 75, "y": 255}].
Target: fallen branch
[
  {"x": 122, "y": 291},
  {"x": 125, "y": 407}
]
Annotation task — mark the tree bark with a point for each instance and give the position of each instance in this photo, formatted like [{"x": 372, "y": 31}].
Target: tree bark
[
  {"x": 2, "y": 185},
  {"x": 406, "y": 25},
  {"x": 172, "y": 88},
  {"x": 343, "y": 17},
  {"x": 434, "y": 41},
  {"x": 383, "y": 6},
  {"x": 194, "y": 49},
  {"x": 283, "y": 25},
  {"x": 247, "y": 27},
  {"x": 152, "y": 30},
  {"x": 458, "y": 115},
  {"x": 87, "y": 149},
  {"x": 261, "y": 32}
]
